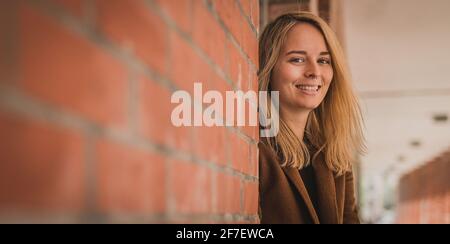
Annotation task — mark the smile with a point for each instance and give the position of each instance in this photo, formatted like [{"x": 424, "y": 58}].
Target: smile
[{"x": 308, "y": 89}]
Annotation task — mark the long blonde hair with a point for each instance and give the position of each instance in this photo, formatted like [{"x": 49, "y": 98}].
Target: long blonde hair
[{"x": 335, "y": 126}]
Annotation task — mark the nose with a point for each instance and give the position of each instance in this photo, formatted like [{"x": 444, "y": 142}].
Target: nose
[{"x": 312, "y": 70}]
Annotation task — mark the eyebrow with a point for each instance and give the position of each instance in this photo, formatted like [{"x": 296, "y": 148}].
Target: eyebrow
[{"x": 304, "y": 52}]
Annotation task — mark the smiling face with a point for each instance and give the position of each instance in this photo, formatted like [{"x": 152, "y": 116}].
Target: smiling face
[{"x": 304, "y": 71}]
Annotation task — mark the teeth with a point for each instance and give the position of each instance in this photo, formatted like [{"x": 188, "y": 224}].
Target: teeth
[{"x": 308, "y": 88}]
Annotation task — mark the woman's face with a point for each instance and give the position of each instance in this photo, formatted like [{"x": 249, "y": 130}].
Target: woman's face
[{"x": 303, "y": 71}]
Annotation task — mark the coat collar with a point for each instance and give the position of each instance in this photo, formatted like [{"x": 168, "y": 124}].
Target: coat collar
[
  {"x": 326, "y": 192},
  {"x": 294, "y": 177}
]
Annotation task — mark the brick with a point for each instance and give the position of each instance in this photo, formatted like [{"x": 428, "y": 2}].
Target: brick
[
  {"x": 240, "y": 154},
  {"x": 8, "y": 20},
  {"x": 255, "y": 10},
  {"x": 254, "y": 80},
  {"x": 251, "y": 10},
  {"x": 249, "y": 43},
  {"x": 191, "y": 188},
  {"x": 219, "y": 84},
  {"x": 244, "y": 78},
  {"x": 187, "y": 67},
  {"x": 208, "y": 34},
  {"x": 238, "y": 27},
  {"x": 251, "y": 198},
  {"x": 238, "y": 68},
  {"x": 228, "y": 194},
  {"x": 75, "y": 7},
  {"x": 447, "y": 207},
  {"x": 246, "y": 6},
  {"x": 133, "y": 26},
  {"x": 73, "y": 73},
  {"x": 185, "y": 63},
  {"x": 425, "y": 203},
  {"x": 210, "y": 141},
  {"x": 67, "y": 71},
  {"x": 3, "y": 44},
  {"x": 130, "y": 180},
  {"x": 253, "y": 130},
  {"x": 180, "y": 11},
  {"x": 240, "y": 71},
  {"x": 210, "y": 144},
  {"x": 229, "y": 12},
  {"x": 254, "y": 160},
  {"x": 154, "y": 118},
  {"x": 42, "y": 167},
  {"x": 250, "y": 131},
  {"x": 437, "y": 209}
]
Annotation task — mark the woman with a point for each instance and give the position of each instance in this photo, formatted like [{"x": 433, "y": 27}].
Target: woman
[{"x": 306, "y": 169}]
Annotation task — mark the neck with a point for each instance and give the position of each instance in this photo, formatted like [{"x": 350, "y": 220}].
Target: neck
[{"x": 296, "y": 120}]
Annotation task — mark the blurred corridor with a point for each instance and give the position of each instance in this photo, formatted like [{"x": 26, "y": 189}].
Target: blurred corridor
[
  {"x": 85, "y": 108},
  {"x": 398, "y": 53}
]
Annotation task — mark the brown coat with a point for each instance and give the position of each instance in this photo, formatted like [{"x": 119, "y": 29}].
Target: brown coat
[{"x": 284, "y": 198}]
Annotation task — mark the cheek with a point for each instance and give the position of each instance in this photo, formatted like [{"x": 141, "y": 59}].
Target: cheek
[
  {"x": 283, "y": 75},
  {"x": 328, "y": 76},
  {"x": 277, "y": 78}
]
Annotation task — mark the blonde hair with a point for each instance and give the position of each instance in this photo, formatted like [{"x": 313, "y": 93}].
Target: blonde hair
[{"x": 335, "y": 126}]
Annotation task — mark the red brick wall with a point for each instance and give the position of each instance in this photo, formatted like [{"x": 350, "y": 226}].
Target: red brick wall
[
  {"x": 85, "y": 111},
  {"x": 425, "y": 193}
]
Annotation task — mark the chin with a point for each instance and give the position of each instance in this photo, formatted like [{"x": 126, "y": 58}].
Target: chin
[{"x": 307, "y": 106}]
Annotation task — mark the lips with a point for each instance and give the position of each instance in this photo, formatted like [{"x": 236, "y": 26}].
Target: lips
[
  {"x": 304, "y": 87},
  {"x": 308, "y": 89}
]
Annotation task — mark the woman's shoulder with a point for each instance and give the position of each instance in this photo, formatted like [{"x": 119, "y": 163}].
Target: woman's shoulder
[
  {"x": 262, "y": 145},
  {"x": 267, "y": 155},
  {"x": 269, "y": 167},
  {"x": 264, "y": 148}
]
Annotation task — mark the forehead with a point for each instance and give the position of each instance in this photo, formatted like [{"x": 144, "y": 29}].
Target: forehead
[{"x": 304, "y": 36}]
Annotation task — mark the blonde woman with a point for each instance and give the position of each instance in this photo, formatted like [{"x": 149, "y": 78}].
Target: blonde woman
[{"x": 306, "y": 169}]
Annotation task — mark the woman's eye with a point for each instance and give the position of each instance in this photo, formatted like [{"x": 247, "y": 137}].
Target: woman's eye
[
  {"x": 324, "y": 61},
  {"x": 297, "y": 60}
]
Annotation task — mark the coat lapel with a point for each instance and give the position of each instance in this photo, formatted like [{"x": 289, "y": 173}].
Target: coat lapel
[
  {"x": 340, "y": 196},
  {"x": 294, "y": 177},
  {"x": 326, "y": 192}
]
